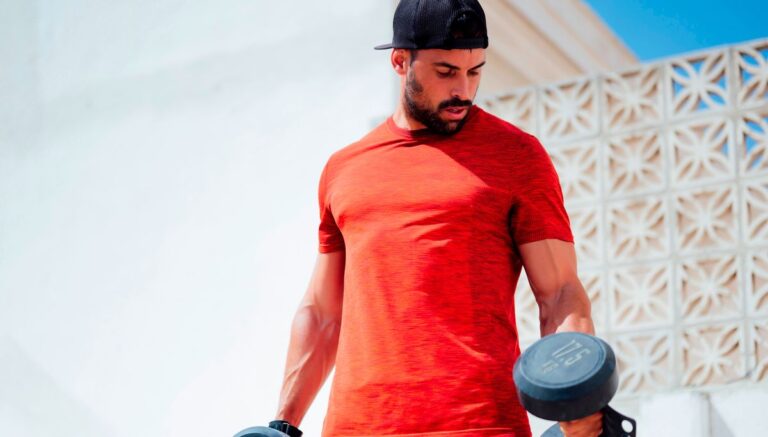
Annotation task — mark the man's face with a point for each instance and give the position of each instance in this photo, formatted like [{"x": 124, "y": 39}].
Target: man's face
[{"x": 440, "y": 86}]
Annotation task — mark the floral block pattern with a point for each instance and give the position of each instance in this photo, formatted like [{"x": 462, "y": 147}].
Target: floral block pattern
[
  {"x": 637, "y": 229},
  {"x": 752, "y": 69},
  {"x": 578, "y": 167},
  {"x": 753, "y": 143},
  {"x": 635, "y": 164},
  {"x": 705, "y": 218},
  {"x": 757, "y": 283},
  {"x": 640, "y": 296},
  {"x": 755, "y": 211},
  {"x": 664, "y": 169},
  {"x": 517, "y": 107},
  {"x": 646, "y": 361},
  {"x": 702, "y": 151},
  {"x": 633, "y": 98},
  {"x": 594, "y": 285},
  {"x": 708, "y": 288},
  {"x": 569, "y": 111},
  {"x": 587, "y": 234},
  {"x": 758, "y": 341},
  {"x": 712, "y": 354},
  {"x": 698, "y": 83}
]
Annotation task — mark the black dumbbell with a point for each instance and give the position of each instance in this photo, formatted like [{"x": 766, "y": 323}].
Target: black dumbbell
[
  {"x": 568, "y": 376},
  {"x": 277, "y": 428},
  {"x": 260, "y": 431}
]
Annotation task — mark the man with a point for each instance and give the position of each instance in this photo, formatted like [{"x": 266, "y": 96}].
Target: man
[{"x": 426, "y": 223}]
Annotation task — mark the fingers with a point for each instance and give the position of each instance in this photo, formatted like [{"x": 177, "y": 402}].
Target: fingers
[{"x": 590, "y": 426}]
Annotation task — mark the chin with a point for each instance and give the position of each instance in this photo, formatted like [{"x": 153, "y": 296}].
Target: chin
[{"x": 453, "y": 124}]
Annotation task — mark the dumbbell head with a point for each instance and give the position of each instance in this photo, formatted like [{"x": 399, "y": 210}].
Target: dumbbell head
[
  {"x": 260, "y": 431},
  {"x": 566, "y": 376}
]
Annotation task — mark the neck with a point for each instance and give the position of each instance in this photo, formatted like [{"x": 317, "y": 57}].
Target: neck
[{"x": 402, "y": 119}]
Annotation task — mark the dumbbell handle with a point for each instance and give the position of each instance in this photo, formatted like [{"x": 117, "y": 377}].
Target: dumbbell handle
[{"x": 612, "y": 425}]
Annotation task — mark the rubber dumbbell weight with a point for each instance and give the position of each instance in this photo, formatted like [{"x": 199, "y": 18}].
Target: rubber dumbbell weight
[
  {"x": 567, "y": 376},
  {"x": 277, "y": 428}
]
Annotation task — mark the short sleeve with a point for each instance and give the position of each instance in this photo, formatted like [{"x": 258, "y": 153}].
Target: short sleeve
[
  {"x": 329, "y": 234},
  {"x": 538, "y": 212}
]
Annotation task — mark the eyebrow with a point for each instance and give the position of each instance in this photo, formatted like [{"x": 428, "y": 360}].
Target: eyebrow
[{"x": 453, "y": 67}]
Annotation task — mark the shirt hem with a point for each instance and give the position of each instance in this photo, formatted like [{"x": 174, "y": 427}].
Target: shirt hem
[
  {"x": 484, "y": 432},
  {"x": 545, "y": 235}
]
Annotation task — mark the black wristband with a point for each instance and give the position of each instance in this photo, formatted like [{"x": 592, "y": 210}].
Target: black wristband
[{"x": 282, "y": 425}]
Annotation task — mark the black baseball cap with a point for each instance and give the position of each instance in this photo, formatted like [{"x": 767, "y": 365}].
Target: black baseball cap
[{"x": 438, "y": 24}]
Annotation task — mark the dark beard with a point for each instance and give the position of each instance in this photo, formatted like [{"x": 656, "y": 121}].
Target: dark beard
[{"x": 429, "y": 118}]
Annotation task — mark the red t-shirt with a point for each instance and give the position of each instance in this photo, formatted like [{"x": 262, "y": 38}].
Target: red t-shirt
[{"x": 430, "y": 225}]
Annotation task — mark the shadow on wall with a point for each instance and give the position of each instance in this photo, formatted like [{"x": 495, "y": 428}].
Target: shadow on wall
[{"x": 717, "y": 425}]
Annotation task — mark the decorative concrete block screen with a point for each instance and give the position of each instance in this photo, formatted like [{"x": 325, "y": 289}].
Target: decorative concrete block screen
[{"x": 664, "y": 169}]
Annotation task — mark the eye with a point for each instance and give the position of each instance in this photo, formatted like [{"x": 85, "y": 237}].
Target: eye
[
  {"x": 446, "y": 73},
  {"x": 474, "y": 73}
]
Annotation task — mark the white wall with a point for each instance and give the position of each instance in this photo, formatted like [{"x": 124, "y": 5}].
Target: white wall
[{"x": 158, "y": 173}]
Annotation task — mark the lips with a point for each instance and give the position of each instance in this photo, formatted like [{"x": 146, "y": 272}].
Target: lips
[{"x": 455, "y": 112}]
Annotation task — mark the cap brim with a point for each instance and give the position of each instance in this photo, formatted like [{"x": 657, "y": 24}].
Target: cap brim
[{"x": 384, "y": 47}]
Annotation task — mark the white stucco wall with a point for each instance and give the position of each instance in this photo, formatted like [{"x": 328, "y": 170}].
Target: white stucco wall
[{"x": 158, "y": 171}]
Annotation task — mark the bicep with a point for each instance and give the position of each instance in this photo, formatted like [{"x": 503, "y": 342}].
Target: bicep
[
  {"x": 550, "y": 265},
  {"x": 326, "y": 286}
]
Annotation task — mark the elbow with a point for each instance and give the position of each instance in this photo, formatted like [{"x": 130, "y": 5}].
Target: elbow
[{"x": 312, "y": 319}]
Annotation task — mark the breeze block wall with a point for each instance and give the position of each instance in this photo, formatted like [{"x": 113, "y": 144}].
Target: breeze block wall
[{"x": 664, "y": 168}]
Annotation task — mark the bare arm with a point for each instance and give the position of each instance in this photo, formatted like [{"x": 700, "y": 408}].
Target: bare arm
[
  {"x": 563, "y": 303},
  {"x": 314, "y": 338}
]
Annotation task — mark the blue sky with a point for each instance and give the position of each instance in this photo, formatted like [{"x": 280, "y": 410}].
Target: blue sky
[{"x": 657, "y": 28}]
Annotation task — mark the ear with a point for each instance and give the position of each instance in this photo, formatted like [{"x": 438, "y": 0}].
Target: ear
[{"x": 400, "y": 59}]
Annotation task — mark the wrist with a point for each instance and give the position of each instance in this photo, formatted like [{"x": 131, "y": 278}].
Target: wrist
[{"x": 286, "y": 427}]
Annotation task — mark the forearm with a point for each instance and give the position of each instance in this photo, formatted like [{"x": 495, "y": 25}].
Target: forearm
[
  {"x": 568, "y": 309},
  {"x": 311, "y": 356}
]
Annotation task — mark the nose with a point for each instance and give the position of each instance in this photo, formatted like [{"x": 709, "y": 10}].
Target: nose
[{"x": 460, "y": 88}]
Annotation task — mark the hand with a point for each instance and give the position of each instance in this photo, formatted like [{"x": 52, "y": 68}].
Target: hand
[{"x": 590, "y": 426}]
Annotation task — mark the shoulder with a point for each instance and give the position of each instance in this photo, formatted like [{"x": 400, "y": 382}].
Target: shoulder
[
  {"x": 508, "y": 135},
  {"x": 494, "y": 125}
]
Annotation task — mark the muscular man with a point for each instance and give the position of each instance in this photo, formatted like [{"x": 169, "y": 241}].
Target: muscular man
[{"x": 425, "y": 224}]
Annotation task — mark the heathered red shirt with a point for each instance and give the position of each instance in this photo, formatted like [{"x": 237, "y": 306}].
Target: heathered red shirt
[{"x": 431, "y": 225}]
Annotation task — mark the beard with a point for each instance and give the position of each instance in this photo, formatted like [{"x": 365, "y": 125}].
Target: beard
[{"x": 431, "y": 117}]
